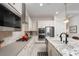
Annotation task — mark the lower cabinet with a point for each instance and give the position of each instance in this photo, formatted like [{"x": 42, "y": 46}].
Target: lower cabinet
[
  {"x": 28, "y": 49},
  {"x": 52, "y": 50}
]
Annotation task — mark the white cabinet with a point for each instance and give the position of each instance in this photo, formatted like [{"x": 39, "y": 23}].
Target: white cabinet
[
  {"x": 49, "y": 49},
  {"x": 14, "y": 7},
  {"x": 28, "y": 25},
  {"x": 52, "y": 51},
  {"x": 34, "y": 25},
  {"x": 17, "y": 6},
  {"x": 28, "y": 49},
  {"x": 9, "y": 21},
  {"x": 24, "y": 27}
]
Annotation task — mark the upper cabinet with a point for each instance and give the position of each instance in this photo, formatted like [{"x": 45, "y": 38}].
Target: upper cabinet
[
  {"x": 34, "y": 25},
  {"x": 9, "y": 21},
  {"x": 16, "y": 8}
]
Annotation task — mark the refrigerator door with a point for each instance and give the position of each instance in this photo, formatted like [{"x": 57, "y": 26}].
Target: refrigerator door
[{"x": 49, "y": 31}]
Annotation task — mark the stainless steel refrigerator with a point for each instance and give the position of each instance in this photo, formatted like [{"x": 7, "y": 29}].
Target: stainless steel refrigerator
[{"x": 49, "y": 31}]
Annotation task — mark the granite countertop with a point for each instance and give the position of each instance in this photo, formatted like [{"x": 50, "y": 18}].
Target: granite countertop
[{"x": 70, "y": 49}]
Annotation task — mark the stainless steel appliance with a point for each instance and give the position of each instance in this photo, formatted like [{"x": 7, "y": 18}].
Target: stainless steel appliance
[
  {"x": 41, "y": 33},
  {"x": 49, "y": 31}
]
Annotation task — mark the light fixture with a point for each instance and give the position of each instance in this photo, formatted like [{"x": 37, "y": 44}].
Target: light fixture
[
  {"x": 57, "y": 12},
  {"x": 41, "y": 4},
  {"x": 66, "y": 20}
]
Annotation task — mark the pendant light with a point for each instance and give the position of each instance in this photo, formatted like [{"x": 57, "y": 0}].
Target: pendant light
[{"x": 66, "y": 20}]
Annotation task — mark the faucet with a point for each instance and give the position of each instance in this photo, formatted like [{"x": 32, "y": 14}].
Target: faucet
[{"x": 66, "y": 41}]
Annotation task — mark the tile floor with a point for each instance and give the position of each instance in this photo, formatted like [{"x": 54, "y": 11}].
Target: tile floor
[
  {"x": 38, "y": 47},
  {"x": 32, "y": 51}
]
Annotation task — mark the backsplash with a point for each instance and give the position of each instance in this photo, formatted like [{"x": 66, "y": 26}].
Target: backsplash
[{"x": 4, "y": 34}]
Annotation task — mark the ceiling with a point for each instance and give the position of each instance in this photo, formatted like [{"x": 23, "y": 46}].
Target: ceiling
[{"x": 50, "y": 9}]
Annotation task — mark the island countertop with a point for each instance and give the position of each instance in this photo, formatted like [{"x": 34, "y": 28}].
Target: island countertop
[{"x": 70, "y": 49}]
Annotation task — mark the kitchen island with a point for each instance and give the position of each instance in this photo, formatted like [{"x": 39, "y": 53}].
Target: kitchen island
[{"x": 57, "y": 48}]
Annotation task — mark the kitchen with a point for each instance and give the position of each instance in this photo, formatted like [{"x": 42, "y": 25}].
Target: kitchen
[{"x": 52, "y": 27}]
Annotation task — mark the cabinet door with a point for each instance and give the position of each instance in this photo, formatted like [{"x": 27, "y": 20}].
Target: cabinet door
[
  {"x": 55, "y": 51},
  {"x": 17, "y": 6},
  {"x": 49, "y": 49},
  {"x": 34, "y": 25},
  {"x": 52, "y": 50}
]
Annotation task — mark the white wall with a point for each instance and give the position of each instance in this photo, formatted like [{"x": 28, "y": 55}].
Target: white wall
[
  {"x": 59, "y": 26},
  {"x": 74, "y": 21},
  {"x": 57, "y": 23},
  {"x": 42, "y": 22},
  {"x": 45, "y": 22}
]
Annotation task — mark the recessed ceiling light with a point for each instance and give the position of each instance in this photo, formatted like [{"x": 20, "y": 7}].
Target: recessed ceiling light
[
  {"x": 57, "y": 12},
  {"x": 41, "y": 4}
]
